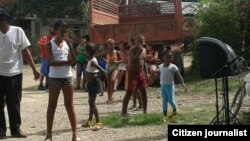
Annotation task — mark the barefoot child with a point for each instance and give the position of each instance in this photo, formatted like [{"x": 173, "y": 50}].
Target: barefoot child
[
  {"x": 61, "y": 58},
  {"x": 94, "y": 87},
  {"x": 136, "y": 75},
  {"x": 167, "y": 72}
]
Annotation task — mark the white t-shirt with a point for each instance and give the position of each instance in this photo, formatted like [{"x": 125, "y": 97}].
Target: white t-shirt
[
  {"x": 167, "y": 73},
  {"x": 92, "y": 69},
  {"x": 11, "y": 45},
  {"x": 60, "y": 54}
]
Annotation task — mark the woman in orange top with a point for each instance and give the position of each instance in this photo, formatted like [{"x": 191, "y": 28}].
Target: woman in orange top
[{"x": 113, "y": 59}]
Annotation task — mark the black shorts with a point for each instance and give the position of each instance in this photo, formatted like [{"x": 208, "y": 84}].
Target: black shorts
[
  {"x": 94, "y": 86},
  {"x": 101, "y": 75}
]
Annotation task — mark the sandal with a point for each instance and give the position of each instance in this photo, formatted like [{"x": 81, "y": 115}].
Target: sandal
[
  {"x": 165, "y": 119},
  {"x": 97, "y": 126},
  {"x": 87, "y": 124}
]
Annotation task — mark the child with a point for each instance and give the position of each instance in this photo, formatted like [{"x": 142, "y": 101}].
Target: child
[
  {"x": 44, "y": 61},
  {"x": 136, "y": 93},
  {"x": 61, "y": 58},
  {"x": 167, "y": 72},
  {"x": 102, "y": 62},
  {"x": 94, "y": 87},
  {"x": 136, "y": 76}
]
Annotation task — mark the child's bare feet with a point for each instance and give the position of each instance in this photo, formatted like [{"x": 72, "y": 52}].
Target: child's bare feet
[
  {"x": 75, "y": 137},
  {"x": 138, "y": 109},
  {"x": 124, "y": 114},
  {"x": 132, "y": 107},
  {"x": 48, "y": 137},
  {"x": 110, "y": 100}
]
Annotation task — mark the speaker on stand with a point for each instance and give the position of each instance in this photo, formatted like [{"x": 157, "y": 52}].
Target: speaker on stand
[{"x": 218, "y": 60}]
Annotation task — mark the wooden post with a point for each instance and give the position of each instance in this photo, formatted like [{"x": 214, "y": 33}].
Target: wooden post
[
  {"x": 90, "y": 26},
  {"x": 179, "y": 19}
]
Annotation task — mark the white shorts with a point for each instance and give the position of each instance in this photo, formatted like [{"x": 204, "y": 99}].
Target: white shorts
[{"x": 122, "y": 66}]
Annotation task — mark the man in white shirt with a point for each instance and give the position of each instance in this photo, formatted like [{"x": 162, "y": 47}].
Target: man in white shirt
[{"x": 13, "y": 47}]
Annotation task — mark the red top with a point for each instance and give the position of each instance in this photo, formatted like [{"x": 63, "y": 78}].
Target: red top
[{"x": 43, "y": 40}]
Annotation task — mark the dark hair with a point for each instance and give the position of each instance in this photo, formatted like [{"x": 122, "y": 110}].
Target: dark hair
[
  {"x": 58, "y": 24},
  {"x": 86, "y": 37},
  {"x": 167, "y": 52},
  {"x": 91, "y": 49},
  {"x": 5, "y": 13}
]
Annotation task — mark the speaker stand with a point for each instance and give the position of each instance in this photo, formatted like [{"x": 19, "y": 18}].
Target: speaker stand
[{"x": 224, "y": 111}]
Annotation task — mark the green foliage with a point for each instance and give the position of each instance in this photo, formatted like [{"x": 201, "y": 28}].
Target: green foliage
[
  {"x": 48, "y": 9},
  {"x": 217, "y": 19},
  {"x": 220, "y": 20},
  {"x": 245, "y": 27},
  {"x": 116, "y": 121}
]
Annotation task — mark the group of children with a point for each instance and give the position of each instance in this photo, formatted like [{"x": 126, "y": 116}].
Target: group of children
[{"x": 101, "y": 67}]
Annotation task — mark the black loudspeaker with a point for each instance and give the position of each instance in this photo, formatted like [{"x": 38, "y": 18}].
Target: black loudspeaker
[{"x": 217, "y": 59}]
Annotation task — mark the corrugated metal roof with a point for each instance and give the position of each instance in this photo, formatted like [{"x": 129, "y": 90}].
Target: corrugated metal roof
[{"x": 189, "y": 8}]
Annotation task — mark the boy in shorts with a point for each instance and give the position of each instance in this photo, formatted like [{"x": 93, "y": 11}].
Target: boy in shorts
[{"x": 136, "y": 75}]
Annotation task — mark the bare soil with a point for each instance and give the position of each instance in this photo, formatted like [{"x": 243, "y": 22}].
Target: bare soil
[{"x": 34, "y": 106}]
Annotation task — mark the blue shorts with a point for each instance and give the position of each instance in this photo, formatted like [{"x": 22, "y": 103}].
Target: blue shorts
[{"x": 44, "y": 67}]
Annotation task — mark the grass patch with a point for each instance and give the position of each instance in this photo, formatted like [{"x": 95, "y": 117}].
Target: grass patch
[
  {"x": 191, "y": 115},
  {"x": 116, "y": 121},
  {"x": 197, "y": 85}
]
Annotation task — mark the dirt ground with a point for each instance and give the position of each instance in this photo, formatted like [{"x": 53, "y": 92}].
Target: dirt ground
[{"x": 34, "y": 106}]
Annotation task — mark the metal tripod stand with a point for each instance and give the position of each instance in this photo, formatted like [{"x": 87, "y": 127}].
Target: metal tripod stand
[{"x": 223, "y": 115}]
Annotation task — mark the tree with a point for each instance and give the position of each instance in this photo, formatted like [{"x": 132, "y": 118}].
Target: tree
[
  {"x": 217, "y": 19},
  {"x": 244, "y": 12},
  {"x": 47, "y": 9}
]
